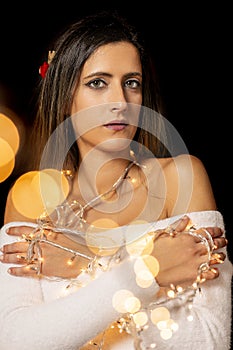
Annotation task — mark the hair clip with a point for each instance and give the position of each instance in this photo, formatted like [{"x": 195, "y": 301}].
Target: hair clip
[{"x": 44, "y": 67}]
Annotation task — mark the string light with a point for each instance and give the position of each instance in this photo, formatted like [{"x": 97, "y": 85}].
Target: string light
[{"x": 135, "y": 319}]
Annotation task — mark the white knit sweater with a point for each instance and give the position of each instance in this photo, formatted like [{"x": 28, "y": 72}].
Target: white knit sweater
[{"x": 35, "y": 316}]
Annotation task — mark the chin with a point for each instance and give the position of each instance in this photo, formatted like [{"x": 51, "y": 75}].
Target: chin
[{"x": 115, "y": 145}]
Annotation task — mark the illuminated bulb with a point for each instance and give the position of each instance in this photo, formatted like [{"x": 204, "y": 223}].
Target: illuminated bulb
[
  {"x": 171, "y": 293},
  {"x": 133, "y": 180},
  {"x": 179, "y": 289},
  {"x": 190, "y": 318}
]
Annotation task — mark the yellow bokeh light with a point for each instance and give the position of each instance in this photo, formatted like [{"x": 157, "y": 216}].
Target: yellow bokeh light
[
  {"x": 147, "y": 262},
  {"x": 140, "y": 318},
  {"x": 61, "y": 181},
  {"x": 7, "y": 160},
  {"x": 104, "y": 223},
  {"x": 142, "y": 246},
  {"x": 166, "y": 334},
  {"x": 160, "y": 314},
  {"x": 100, "y": 243},
  {"x": 144, "y": 279},
  {"x": 25, "y": 199},
  {"x": 152, "y": 264},
  {"x": 162, "y": 325},
  {"x": 37, "y": 192},
  {"x": 132, "y": 304},
  {"x": 119, "y": 299},
  {"x": 46, "y": 189},
  {"x": 172, "y": 325},
  {"x": 52, "y": 187},
  {"x": 9, "y": 132}
]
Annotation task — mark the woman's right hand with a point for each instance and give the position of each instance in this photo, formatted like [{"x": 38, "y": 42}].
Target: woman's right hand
[
  {"x": 180, "y": 256},
  {"x": 55, "y": 261}
]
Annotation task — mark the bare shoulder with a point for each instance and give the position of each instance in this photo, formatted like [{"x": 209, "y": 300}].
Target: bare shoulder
[
  {"x": 188, "y": 186},
  {"x": 194, "y": 181},
  {"x": 184, "y": 164}
]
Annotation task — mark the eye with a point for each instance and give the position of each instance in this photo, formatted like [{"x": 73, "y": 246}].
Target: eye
[
  {"x": 96, "y": 84},
  {"x": 133, "y": 84}
]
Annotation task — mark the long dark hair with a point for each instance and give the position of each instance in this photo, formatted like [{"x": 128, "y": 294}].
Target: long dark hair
[{"x": 72, "y": 49}]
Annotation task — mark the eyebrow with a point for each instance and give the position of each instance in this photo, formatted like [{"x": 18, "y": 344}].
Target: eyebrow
[{"x": 134, "y": 74}]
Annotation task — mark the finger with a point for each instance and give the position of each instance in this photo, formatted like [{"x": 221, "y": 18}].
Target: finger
[
  {"x": 181, "y": 224},
  {"x": 211, "y": 274},
  {"x": 220, "y": 242},
  {"x": 24, "y": 271},
  {"x": 217, "y": 258},
  {"x": 19, "y": 230},
  {"x": 17, "y": 247},
  {"x": 215, "y": 231},
  {"x": 13, "y": 258}
]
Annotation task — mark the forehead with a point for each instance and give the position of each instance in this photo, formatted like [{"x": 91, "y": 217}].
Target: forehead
[{"x": 118, "y": 56}]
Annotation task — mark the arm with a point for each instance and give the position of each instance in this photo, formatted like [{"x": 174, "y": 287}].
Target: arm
[
  {"x": 210, "y": 327},
  {"x": 202, "y": 309},
  {"x": 29, "y": 320},
  {"x": 96, "y": 305}
]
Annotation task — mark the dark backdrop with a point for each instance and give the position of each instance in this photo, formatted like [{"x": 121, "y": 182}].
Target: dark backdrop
[{"x": 191, "y": 45}]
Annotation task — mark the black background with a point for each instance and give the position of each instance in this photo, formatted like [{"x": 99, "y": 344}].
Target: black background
[{"x": 191, "y": 44}]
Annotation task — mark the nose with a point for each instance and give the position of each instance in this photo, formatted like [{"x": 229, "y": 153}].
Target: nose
[
  {"x": 117, "y": 107},
  {"x": 118, "y": 99}
]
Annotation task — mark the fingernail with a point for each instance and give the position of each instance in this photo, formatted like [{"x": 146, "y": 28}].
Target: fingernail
[
  {"x": 214, "y": 270},
  {"x": 1, "y": 249},
  {"x": 9, "y": 271},
  {"x": 1, "y": 257}
]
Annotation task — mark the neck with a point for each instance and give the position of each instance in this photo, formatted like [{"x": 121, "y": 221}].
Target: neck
[{"x": 98, "y": 171}]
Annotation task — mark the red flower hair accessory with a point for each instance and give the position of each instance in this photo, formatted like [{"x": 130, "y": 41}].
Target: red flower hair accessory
[{"x": 44, "y": 67}]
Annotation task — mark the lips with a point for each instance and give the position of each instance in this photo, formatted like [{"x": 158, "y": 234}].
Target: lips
[{"x": 116, "y": 125}]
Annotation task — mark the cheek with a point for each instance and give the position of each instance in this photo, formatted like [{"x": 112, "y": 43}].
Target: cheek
[
  {"x": 83, "y": 100},
  {"x": 88, "y": 118},
  {"x": 82, "y": 122}
]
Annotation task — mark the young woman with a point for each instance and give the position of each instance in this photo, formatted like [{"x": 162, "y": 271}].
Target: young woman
[{"x": 139, "y": 224}]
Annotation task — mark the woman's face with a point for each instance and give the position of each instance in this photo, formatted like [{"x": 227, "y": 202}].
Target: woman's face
[{"x": 108, "y": 98}]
